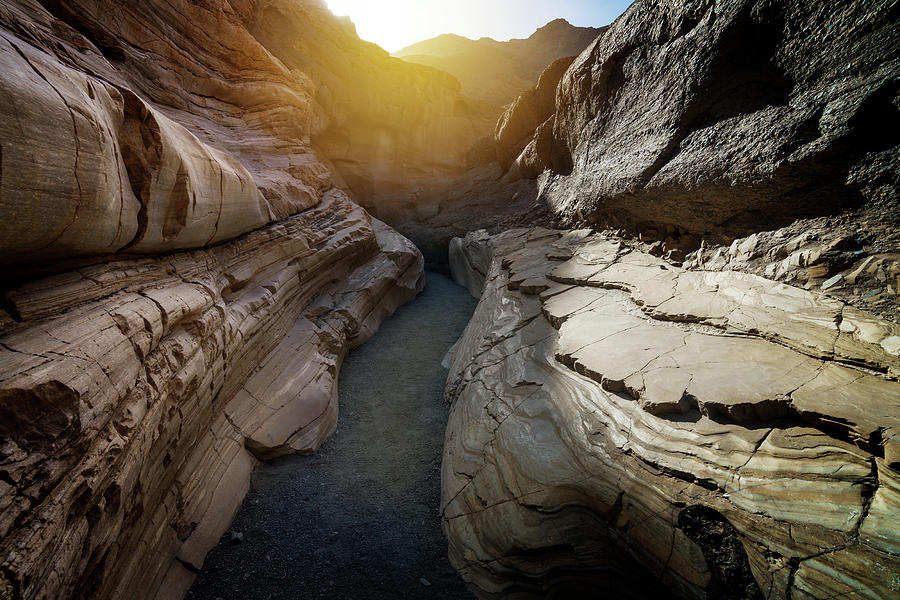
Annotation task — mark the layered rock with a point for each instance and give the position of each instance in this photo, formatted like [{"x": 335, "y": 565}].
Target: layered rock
[
  {"x": 855, "y": 262},
  {"x": 181, "y": 280},
  {"x": 240, "y": 115},
  {"x": 620, "y": 423},
  {"x": 132, "y": 420},
  {"x": 717, "y": 119}
]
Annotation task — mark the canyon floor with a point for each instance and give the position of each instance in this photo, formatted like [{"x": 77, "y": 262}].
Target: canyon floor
[{"x": 360, "y": 518}]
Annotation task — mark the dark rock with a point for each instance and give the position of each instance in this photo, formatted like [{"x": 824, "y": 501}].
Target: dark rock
[
  {"x": 723, "y": 118},
  {"x": 517, "y": 125}
]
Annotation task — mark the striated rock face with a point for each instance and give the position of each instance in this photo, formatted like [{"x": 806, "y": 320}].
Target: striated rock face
[
  {"x": 717, "y": 119},
  {"x": 137, "y": 395},
  {"x": 155, "y": 119},
  {"x": 181, "y": 279},
  {"x": 496, "y": 72},
  {"x": 619, "y": 423}
]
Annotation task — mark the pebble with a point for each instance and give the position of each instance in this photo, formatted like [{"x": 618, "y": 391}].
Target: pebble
[{"x": 832, "y": 282}]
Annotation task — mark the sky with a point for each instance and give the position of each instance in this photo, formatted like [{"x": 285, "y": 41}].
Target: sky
[{"x": 395, "y": 24}]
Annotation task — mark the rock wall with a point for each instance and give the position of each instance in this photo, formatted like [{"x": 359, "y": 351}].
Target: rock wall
[
  {"x": 181, "y": 278},
  {"x": 242, "y": 116},
  {"x": 715, "y": 119},
  {"x": 620, "y": 424},
  {"x": 517, "y": 125}
]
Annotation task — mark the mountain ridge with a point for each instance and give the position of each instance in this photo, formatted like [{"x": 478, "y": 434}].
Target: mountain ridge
[{"x": 494, "y": 71}]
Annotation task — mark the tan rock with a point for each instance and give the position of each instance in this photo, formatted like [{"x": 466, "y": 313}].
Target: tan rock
[{"x": 648, "y": 407}]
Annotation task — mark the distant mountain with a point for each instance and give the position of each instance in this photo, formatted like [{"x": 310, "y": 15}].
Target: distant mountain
[{"x": 497, "y": 72}]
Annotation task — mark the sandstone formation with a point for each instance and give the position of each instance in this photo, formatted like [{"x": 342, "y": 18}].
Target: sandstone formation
[
  {"x": 497, "y": 72},
  {"x": 131, "y": 422},
  {"x": 291, "y": 76},
  {"x": 182, "y": 276},
  {"x": 712, "y": 120},
  {"x": 621, "y": 424}
]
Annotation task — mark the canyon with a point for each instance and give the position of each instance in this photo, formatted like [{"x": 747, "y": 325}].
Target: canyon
[{"x": 683, "y": 233}]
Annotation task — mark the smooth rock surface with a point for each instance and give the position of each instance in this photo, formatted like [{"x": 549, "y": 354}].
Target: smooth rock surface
[
  {"x": 619, "y": 423},
  {"x": 171, "y": 125}
]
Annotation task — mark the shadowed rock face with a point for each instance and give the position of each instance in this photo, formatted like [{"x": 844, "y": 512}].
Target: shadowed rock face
[
  {"x": 516, "y": 127},
  {"x": 181, "y": 275},
  {"x": 619, "y": 423},
  {"x": 717, "y": 119}
]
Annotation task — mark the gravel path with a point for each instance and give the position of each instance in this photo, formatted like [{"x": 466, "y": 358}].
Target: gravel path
[{"x": 360, "y": 518}]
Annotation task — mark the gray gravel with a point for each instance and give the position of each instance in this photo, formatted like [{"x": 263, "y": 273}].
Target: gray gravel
[{"x": 360, "y": 518}]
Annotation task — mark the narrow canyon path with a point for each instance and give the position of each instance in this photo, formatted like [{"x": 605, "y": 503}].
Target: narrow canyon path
[{"x": 360, "y": 518}]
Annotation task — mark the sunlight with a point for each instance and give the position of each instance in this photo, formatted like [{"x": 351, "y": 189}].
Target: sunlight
[
  {"x": 391, "y": 24},
  {"x": 395, "y": 24}
]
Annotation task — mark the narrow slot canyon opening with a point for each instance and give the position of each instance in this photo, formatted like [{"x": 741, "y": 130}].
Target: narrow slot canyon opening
[
  {"x": 359, "y": 519},
  {"x": 228, "y": 232}
]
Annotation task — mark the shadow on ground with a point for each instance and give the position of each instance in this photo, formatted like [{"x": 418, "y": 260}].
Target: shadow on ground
[{"x": 360, "y": 518}]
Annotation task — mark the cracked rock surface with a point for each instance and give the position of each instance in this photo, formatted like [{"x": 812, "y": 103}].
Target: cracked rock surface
[{"x": 620, "y": 423}]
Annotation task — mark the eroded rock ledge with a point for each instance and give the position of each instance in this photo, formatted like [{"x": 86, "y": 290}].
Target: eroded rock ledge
[
  {"x": 619, "y": 423},
  {"x": 180, "y": 275},
  {"x": 137, "y": 395}
]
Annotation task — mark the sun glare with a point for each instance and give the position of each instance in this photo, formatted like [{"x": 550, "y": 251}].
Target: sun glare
[{"x": 395, "y": 24}]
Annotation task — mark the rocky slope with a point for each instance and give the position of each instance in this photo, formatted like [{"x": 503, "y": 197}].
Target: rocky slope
[
  {"x": 497, "y": 72},
  {"x": 182, "y": 274},
  {"x": 855, "y": 258},
  {"x": 713, "y": 120},
  {"x": 619, "y": 423}
]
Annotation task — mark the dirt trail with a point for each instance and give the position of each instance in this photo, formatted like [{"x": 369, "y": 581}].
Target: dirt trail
[{"x": 360, "y": 518}]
